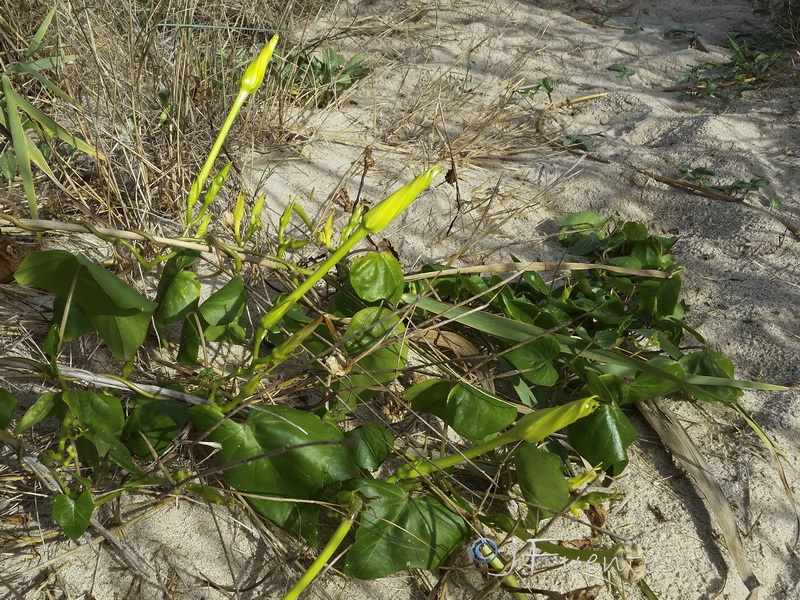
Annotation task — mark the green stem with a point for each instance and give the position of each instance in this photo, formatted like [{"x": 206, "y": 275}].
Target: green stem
[
  {"x": 277, "y": 312},
  {"x": 324, "y": 556},
  {"x": 202, "y": 177},
  {"x": 422, "y": 466},
  {"x": 509, "y": 579}
]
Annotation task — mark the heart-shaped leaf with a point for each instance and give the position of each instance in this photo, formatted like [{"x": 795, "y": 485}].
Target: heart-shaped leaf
[
  {"x": 160, "y": 421},
  {"x": 73, "y": 515},
  {"x": 398, "y": 533},
  {"x": 119, "y": 313},
  {"x": 603, "y": 438},
  {"x": 469, "y": 410},
  {"x": 541, "y": 482},
  {"x": 289, "y": 472},
  {"x": 377, "y": 276}
]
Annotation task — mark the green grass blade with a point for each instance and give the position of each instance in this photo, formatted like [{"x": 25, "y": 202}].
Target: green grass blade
[
  {"x": 21, "y": 145},
  {"x": 25, "y": 68},
  {"x": 46, "y": 122},
  {"x": 38, "y": 38}
]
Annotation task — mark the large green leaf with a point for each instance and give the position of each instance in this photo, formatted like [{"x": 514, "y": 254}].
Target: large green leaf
[
  {"x": 368, "y": 328},
  {"x": 650, "y": 385},
  {"x": 175, "y": 265},
  {"x": 372, "y": 326},
  {"x": 226, "y": 304},
  {"x": 377, "y": 276},
  {"x": 119, "y": 313},
  {"x": 398, "y": 533},
  {"x": 7, "y": 404},
  {"x": 708, "y": 363},
  {"x": 223, "y": 313},
  {"x": 541, "y": 482},
  {"x": 603, "y": 438},
  {"x": 44, "y": 407},
  {"x": 73, "y": 515},
  {"x": 470, "y": 411},
  {"x": 373, "y": 445},
  {"x": 299, "y": 473},
  {"x": 180, "y": 298}
]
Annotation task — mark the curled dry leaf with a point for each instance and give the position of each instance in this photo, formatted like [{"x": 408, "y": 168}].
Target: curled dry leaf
[{"x": 12, "y": 251}]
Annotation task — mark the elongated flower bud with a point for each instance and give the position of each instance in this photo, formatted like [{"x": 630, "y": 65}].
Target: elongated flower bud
[
  {"x": 536, "y": 426},
  {"x": 378, "y": 217},
  {"x": 254, "y": 74}
]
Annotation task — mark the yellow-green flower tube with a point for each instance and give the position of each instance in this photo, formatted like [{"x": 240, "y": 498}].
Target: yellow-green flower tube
[
  {"x": 532, "y": 428},
  {"x": 250, "y": 82}
]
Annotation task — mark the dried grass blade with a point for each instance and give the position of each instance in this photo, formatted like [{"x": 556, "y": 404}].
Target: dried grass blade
[{"x": 683, "y": 449}]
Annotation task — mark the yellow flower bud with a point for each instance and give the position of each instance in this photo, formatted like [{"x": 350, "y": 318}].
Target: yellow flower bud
[
  {"x": 536, "y": 426},
  {"x": 254, "y": 74},
  {"x": 378, "y": 217}
]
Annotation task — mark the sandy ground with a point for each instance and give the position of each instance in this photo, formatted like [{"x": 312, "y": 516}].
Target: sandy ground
[{"x": 448, "y": 75}]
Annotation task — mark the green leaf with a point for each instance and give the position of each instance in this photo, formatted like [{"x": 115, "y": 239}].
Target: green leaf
[
  {"x": 73, "y": 515},
  {"x": 223, "y": 313},
  {"x": 650, "y": 385},
  {"x": 44, "y": 406},
  {"x": 102, "y": 419},
  {"x": 475, "y": 413},
  {"x": 190, "y": 343},
  {"x": 368, "y": 328},
  {"x": 119, "y": 313},
  {"x": 371, "y": 326},
  {"x": 8, "y": 164},
  {"x": 377, "y": 276},
  {"x": 708, "y": 363},
  {"x": 38, "y": 37},
  {"x": 180, "y": 298},
  {"x": 78, "y": 322},
  {"x": 541, "y": 482},
  {"x": 397, "y": 533},
  {"x": 226, "y": 305},
  {"x": 160, "y": 421},
  {"x": 534, "y": 360},
  {"x": 296, "y": 473},
  {"x": 603, "y": 438},
  {"x": 430, "y": 396},
  {"x": 582, "y": 220},
  {"x": 172, "y": 268},
  {"x": 21, "y": 145},
  {"x": 607, "y": 386},
  {"x": 470, "y": 411},
  {"x": 8, "y": 403},
  {"x": 56, "y": 129},
  {"x": 373, "y": 444}
]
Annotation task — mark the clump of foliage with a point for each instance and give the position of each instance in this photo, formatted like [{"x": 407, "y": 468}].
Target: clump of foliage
[
  {"x": 320, "y": 78},
  {"x": 568, "y": 355},
  {"x": 751, "y": 62}
]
